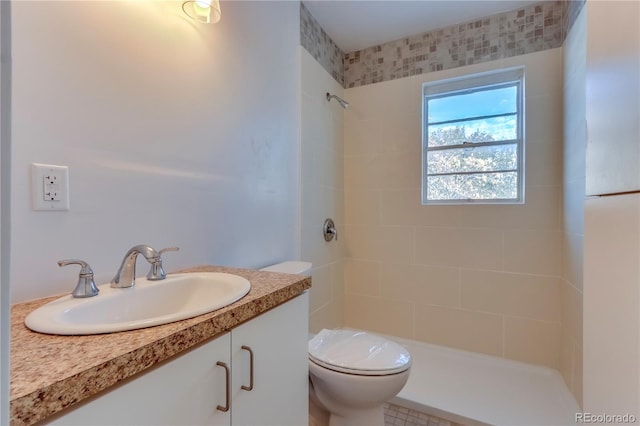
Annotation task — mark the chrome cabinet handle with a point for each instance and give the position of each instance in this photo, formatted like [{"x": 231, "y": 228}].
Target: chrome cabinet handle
[
  {"x": 227, "y": 387},
  {"x": 250, "y": 387}
]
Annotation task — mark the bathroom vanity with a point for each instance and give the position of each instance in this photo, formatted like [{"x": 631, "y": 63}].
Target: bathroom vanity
[{"x": 195, "y": 371}]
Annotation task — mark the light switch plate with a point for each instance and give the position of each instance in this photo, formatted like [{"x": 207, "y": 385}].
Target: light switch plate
[{"x": 49, "y": 187}]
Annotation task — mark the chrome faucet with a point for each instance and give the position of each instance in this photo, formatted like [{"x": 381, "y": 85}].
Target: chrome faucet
[{"x": 126, "y": 276}]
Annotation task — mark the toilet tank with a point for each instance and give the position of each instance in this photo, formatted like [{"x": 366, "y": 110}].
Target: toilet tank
[{"x": 290, "y": 267}]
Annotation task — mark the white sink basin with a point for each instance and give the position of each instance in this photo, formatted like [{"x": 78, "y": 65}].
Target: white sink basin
[{"x": 148, "y": 303}]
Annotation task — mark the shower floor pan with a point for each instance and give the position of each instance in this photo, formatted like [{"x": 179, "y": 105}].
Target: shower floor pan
[{"x": 476, "y": 389}]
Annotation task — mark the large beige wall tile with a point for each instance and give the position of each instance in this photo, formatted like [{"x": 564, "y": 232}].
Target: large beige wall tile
[
  {"x": 338, "y": 290},
  {"x": 362, "y": 207},
  {"x": 463, "y": 247},
  {"x": 321, "y": 202},
  {"x": 572, "y": 313},
  {"x": 402, "y": 132},
  {"x": 573, "y": 206},
  {"x": 544, "y": 119},
  {"x": 566, "y": 357},
  {"x": 375, "y": 314},
  {"x": 427, "y": 284},
  {"x": 382, "y": 99},
  {"x": 541, "y": 211},
  {"x": 404, "y": 207},
  {"x": 573, "y": 259},
  {"x": 321, "y": 290},
  {"x": 532, "y": 341},
  {"x": 362, "y": 277},
  {"x": 578, "y": 374},
  {"x": 314, "y": 249},
  {"x": 530, "y": 296},
  {"x": 361, "y": 173},
  {"x": 329, "y": 316},
  {"x": 362, "y": 138},
  {"x": 328, "y": 168},
  {"x": 571, "y": 363},
  {"x": 547, "y": 153},
  {"x": 397, "y": 170},
  {"x": 472, "y": 331},
  {"x": 533, "y": 252},
  {"x": 543, "y": 72},
  {"x": 382, "y": 243}
]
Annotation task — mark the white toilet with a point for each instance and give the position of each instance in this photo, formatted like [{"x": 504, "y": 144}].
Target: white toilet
[{"x": 353, "y": 373}]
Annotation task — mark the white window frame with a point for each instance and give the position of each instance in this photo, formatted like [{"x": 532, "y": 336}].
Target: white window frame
[{"x": 471, "y": 83}]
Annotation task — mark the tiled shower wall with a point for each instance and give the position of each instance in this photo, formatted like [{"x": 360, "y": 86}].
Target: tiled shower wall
[
  {"x": 483, "y": 278},
  {"x": 574, "y": 169},
  {"x": 322, "y": 188}
]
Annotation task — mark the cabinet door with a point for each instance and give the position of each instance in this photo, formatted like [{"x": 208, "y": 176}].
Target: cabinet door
[
  {"x": 278, "y": 341},
  {"x": 182, "y": 391}
]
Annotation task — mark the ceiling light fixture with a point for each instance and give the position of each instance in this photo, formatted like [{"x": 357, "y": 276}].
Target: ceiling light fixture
[{"x": 205, "y": 11}]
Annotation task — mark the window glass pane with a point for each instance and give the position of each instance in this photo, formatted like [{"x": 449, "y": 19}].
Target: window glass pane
[
  {"x": 488, "y": 186},
  {"x": 472, "y": 138},
  {"x": 474, "y": 159},
  {"x": 467, "y": 105},
  {"x": 482, "y": 130}
]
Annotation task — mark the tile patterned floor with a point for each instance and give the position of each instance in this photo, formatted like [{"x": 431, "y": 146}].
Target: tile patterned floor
[{"x": 394, "y": 415}]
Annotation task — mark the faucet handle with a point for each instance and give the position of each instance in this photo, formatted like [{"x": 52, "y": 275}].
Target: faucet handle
[
  {"x": 156, "y": 272},
  {"x": 168, "y": 249},
  {"x": 86, "y": 287}
]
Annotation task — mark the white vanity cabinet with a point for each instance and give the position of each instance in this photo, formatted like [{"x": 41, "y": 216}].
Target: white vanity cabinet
[
  {"x": 278, "y": 339},
  {"x": 189, "y": 388}
]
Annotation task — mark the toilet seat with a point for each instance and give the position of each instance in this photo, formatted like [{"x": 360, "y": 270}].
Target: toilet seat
[{"x": 358, "y": 352}]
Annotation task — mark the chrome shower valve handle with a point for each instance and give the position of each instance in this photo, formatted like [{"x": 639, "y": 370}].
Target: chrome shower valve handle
[{"x": 329, "y": 230}]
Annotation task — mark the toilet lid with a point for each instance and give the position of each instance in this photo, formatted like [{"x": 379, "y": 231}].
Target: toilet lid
[{"x": 357, "y": 352}]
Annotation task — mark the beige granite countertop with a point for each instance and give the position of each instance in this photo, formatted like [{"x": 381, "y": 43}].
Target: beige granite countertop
[{"x": 50, "y": 373}]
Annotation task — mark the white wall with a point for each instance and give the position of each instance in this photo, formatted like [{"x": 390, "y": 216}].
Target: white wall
[
  {"x": 322, "y": 192},
  {"x": 175, "y": 134},
  {"x": 612, "y": 223},
  {"x": 5, "y": 174}
]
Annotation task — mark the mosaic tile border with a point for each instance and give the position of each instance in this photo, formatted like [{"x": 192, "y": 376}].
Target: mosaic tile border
[
  {"x": 518, "y": 32},
  {"x": 316, "y": 41},
  {"x": 538, "y": 27}
]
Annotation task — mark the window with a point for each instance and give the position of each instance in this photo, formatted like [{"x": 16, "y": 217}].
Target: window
[{"x": 473, "y": 145}]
